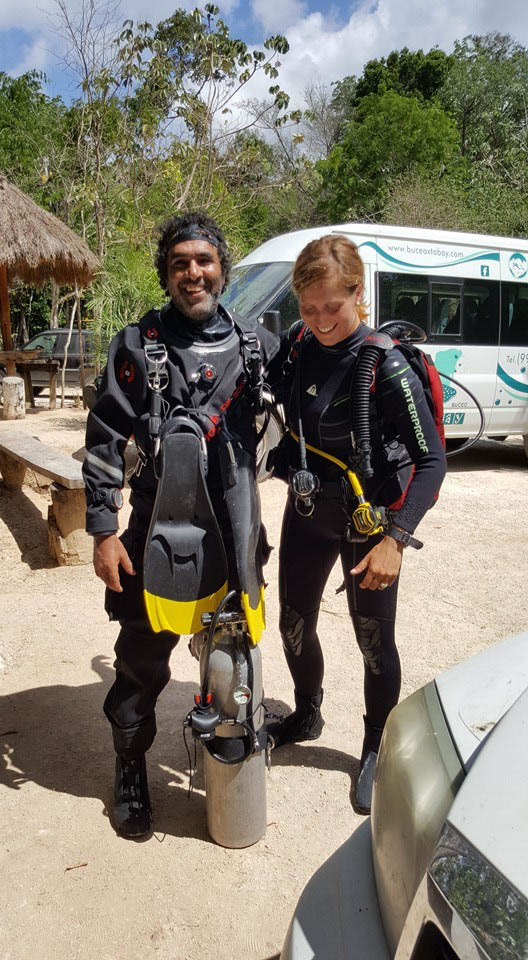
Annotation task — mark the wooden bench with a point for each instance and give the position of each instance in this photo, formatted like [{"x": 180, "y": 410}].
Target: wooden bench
[{"x": 68, "y": 542}]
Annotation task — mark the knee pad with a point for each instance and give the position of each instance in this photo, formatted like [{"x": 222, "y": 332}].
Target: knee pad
[
  {"x": 291, "y": 626},
  {"x": 368, "y": 636}
]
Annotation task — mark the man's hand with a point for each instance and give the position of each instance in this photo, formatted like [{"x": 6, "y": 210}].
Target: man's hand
[
  {"x": 109, "y": 554},
  {"x": 382, "y": 564}
]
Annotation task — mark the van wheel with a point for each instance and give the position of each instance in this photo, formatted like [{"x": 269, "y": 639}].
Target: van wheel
[{"x": 525, "y": 441}]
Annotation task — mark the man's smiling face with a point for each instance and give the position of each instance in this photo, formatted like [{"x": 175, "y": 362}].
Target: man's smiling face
[{"x": 194, "y": 279}]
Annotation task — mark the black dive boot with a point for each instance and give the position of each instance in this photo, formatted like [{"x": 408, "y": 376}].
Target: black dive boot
[
  {"x": 132, "y": 810},
  {"x": 305, "y": 723},
  {"x": 367, "y": 767}
]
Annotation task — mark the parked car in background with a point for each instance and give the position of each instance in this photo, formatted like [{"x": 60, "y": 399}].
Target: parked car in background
[
  {"x": 440, "y": 870},
  {"x": 53, "y": 343}
]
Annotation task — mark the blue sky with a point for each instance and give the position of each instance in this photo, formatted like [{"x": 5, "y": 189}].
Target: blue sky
[{"x": 328, "y": 40}]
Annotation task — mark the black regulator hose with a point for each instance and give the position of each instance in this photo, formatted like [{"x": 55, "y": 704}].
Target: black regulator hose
[
  {"x": 405, "y": 331},
  {"x": 471, "y": 441},
  {"x": 378, "y": 344}
]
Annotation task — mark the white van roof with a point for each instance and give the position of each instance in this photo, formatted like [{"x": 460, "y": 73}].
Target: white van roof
[{"x": 287, "y": 247}]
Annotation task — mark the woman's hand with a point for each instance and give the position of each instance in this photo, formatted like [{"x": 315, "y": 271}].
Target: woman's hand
[
  {"x": 382, "y": 564},
  {"x": 109, "y": 554}
]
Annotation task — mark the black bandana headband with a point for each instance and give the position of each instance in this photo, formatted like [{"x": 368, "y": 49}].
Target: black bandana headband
[{"x": 194, "y": 233}]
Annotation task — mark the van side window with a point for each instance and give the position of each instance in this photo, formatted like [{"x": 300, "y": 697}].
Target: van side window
[
  {"x": 445, "y": 313},
  {"x": 481, "y": 312},
  {"x": 514, "y": 318},
  {"x": 402, "y": 296},
  {"x": 464, "y": 309}
]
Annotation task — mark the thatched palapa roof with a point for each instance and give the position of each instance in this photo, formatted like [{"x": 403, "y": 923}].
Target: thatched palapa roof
[{"x": 35, "y": 246}]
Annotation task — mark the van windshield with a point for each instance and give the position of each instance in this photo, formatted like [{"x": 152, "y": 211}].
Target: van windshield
[{"x": 252, "y": 288}]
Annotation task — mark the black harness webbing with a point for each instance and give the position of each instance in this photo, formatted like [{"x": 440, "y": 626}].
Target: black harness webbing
[{"x": 156, "y": 357}]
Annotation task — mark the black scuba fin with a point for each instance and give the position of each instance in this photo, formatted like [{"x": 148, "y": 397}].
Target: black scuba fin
[
  {"x": 243, "y": 506},
  {"x": 185, "y": 567}
]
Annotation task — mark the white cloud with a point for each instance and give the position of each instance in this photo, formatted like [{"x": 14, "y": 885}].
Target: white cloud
[
  {"x": 44, "y": 47},
  {"x": 24, "y": 14},
  {"x": 278, "y": 17},
  {"x": 321, "y": 48},
  {"x": 226, "y": 6},
  {"x": 320, "y": 51},
  {"x": 34, "y": 56},
  {"x": 31, "y": 14}
]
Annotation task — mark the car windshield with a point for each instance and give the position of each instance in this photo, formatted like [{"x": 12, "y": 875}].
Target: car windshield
[
  {"x": 42, "y": 341},
  {"x": 253, "y": 287}
]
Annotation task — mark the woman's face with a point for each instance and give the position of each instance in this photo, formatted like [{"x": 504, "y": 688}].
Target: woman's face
[{"x": 330, "y": 311}]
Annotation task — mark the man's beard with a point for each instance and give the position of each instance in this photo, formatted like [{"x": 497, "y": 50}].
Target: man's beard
[{"x": 198, "y": 314}]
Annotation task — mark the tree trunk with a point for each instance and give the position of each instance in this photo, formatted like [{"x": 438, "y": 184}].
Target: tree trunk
[
  {"x": 5, "y": 317},
  {"x": 82, "y": 376},
  {"x": 54, "y": 319},
  {"x": 23, "y": 336},
  {"x": 67, "y": 344}
]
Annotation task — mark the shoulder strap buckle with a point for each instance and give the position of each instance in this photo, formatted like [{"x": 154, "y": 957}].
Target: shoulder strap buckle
[
  {"x": 253, "y": 367},
  {"x": 156, "y": 358}
]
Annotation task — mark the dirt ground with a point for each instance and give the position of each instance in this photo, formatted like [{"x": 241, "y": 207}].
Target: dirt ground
[{"x": 72, "y": 887}]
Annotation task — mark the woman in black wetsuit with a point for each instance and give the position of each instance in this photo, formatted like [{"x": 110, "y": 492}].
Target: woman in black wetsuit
[{"x": 314, "y": 374}]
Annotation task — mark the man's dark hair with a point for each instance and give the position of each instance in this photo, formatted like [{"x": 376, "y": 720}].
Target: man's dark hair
[{"x": 177, "y": 230}]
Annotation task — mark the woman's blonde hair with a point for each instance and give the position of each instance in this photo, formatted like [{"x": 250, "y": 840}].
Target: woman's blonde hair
[{"x": 334, "y": 259}]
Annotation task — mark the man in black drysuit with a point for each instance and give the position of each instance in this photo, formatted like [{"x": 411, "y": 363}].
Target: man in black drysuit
[{"x": 207, "y": 373}]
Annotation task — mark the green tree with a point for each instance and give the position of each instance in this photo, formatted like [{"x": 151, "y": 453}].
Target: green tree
[
  {"x": 470, "y": 200},
  {"x": 185, "y": 76},
  {"x": 411, "y": 73},
  {"x": 485, "y": 93},
  {"x": 393, "y": 135},
  {"x": 31, "y": 132}
]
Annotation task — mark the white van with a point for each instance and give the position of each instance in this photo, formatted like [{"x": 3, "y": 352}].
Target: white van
[{"x": 469, "y": 293}]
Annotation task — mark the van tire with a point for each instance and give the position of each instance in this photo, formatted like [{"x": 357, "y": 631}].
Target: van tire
[{"x": 525, "y": 441}]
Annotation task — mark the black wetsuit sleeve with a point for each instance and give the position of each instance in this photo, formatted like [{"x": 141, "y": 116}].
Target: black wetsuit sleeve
[
  {"x": 121, "y": 399},
  {"x": 279, "y": 381},
  {"x": 401, "y": 398}
]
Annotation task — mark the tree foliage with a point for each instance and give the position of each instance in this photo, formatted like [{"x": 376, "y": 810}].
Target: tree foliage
[{"x": 392, "y": 135}]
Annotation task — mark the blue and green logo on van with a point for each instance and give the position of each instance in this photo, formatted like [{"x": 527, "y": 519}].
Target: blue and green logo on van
[
  {"x": 446, "y": 259},
  {"x": 446, "y": 362},
  {"x": 518, "y": 265}
]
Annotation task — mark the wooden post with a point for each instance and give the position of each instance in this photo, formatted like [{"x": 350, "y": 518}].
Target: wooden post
[
  {"x": 5, "y": 319},
  {"x": 25, "y": 373},
  {"x": 66, "y": 348},
  {"x": 82, "y": 376},
  {"x": 13, "y": 391},
  {"x": 53, "y": 389},
  {"x": 68, "y": 542}
]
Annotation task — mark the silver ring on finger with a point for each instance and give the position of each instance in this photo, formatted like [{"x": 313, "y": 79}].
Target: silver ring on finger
[{"x": 383, "y": 586}]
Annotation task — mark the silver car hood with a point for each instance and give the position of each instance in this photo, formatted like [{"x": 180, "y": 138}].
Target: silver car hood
[{"x": 476, "y": 693}]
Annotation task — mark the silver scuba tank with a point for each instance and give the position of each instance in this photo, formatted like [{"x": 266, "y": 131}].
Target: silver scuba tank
[{"x": 235, "y": 759}]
